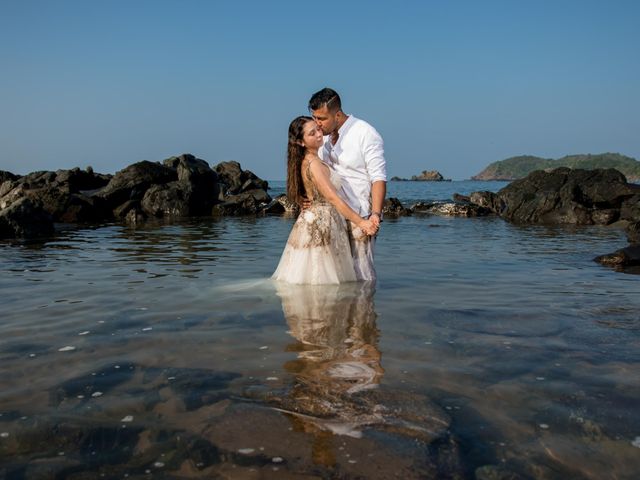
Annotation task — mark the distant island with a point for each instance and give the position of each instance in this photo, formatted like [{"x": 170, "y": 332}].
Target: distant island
[
  {"x": 519, "y": 167},
  {"x": 425, "y": 176}
]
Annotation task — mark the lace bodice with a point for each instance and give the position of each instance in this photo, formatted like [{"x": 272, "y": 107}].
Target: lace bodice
[{"x": 310, "y": 187}]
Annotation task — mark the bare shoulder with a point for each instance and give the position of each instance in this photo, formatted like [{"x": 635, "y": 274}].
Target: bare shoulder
[{"x": 315, "y": 164}]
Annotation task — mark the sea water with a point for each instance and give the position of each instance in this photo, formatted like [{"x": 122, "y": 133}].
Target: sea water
[{"x": 485, "y": 349}]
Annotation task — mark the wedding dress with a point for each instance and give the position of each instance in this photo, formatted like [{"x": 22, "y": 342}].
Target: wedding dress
[{"x": 318, "y": 250}]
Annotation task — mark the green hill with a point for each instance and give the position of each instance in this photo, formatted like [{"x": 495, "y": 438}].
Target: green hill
[{"x": 518, "y": 167}]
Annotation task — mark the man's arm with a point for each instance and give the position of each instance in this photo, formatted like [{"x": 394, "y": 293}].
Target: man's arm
[
  {"x": 378, "y": 192},
  {"x": 376, "y": 166}
]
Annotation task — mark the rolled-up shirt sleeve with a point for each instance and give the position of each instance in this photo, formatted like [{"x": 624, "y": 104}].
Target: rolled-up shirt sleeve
[{"x": 374, "y": 156}]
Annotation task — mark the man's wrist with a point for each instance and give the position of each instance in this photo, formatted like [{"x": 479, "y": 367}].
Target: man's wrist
[{"x": 378, "y": 214}]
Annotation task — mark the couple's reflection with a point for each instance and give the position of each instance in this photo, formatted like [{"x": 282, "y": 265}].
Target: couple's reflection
[{"x": 337, "y": 356}]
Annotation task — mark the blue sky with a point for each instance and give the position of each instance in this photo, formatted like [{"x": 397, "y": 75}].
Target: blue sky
[{"x": 450, "y": 85}]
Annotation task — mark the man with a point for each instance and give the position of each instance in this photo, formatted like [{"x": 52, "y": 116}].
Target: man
[{"x": 356, "y": 150}]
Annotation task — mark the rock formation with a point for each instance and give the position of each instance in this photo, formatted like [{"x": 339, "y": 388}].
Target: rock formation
[
  {"x": 576, "y": 197},
  {"x": 425, "y": 176},
  {"x": 565, "y": 196},
  {"x": 178, "y": 187}
]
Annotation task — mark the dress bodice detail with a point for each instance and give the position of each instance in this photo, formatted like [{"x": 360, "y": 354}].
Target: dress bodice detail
[{"x": 310, "y": 186}]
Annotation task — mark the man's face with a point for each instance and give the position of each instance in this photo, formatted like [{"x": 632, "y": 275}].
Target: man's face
[{"x": 326, "y": 119}]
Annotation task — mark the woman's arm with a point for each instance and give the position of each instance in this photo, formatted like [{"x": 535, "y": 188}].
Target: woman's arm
[{"x": 320, "y": 177}]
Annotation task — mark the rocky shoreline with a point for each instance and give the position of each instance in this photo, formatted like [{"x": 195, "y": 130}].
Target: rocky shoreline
[
  {"x": 182, "y": 186},
  {"x": 186, "y": 186},
  {"x": 567, "y": 196},
  {"x": 562, "y": 196}
]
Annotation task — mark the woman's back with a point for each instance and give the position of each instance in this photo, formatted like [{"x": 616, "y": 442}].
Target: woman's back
[{"x": 310, "y": 187}]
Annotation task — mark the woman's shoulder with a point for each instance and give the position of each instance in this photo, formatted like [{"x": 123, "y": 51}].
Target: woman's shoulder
[{"x": 313, "y": 159}]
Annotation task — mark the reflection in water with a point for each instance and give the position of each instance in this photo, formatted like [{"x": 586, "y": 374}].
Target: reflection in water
[
  {"x": 516, "y": 356},
  {"x": 335, "y": 326}
]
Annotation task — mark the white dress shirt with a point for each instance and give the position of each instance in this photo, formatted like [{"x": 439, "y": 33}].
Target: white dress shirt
[{"x": 358, "y": 157}]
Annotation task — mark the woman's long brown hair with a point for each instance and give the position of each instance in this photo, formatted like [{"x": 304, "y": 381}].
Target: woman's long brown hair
[{"x": 295, "y": 155}]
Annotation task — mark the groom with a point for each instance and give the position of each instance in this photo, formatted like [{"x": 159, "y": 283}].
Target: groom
[{"x": 356, "y": 150}]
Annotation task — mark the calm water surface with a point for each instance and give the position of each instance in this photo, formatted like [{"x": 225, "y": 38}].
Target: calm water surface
[{"x": 486, "y": 350}]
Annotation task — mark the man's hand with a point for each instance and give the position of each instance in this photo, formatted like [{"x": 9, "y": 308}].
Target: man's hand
[
  {"x": 368, "y": 227},
  {"x": 306, "y": 203},
  {"x": 375, "y": 219}
]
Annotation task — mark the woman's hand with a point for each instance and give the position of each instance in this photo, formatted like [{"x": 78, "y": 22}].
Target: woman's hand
[{"x": 368, "y": 226}]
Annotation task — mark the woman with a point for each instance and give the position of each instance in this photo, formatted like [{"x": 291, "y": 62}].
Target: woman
[{"x": 318, "y": 250}]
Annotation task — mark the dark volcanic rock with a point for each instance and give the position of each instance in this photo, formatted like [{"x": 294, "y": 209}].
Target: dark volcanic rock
[
  {"x": 246, "y": 203},
  {"x": 562, "y": 196},
  {"x": 425, "y": 176},
  {"x": 72, "y": 181},
  {"x": 130, "y": 212},
  {"x": 132, "y": 182},
  {"x": 68, "y": 207},
  {"x": 461, "y": 198},
  {"x": 4, "y": 176},
  {"x": 6, "y": 187},
  {"x": 428, "y": 176},
  {"x": 451, "y": 209},
  {"x": 37, "y": 179},
  {"x": 203, "y": 187},
  {"x": 9, "y": 193},
  {"x": 234, "y": 180},
  {"x": 82, "y": 209},
  {"x": 182, "y": 186},
  {"x": 633, "y": 233},
  {"x": 488, "y": 200},
  {"x": 170, "y": 200},
  {"x": 57, "y": 193},
  {"x": 625, "y": 257},
  {"x": 24, "y": 219},
  {"x": 78, "y": 180},
  {"x": 573, "y": 196},
  {"x": 393, "y": 207},
  {"x": 630, "y": 209},
  {"x": 281, "y": 204}
]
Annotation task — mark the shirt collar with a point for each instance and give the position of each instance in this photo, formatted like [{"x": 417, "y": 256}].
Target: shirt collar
[{"x": 345, "y": 125}]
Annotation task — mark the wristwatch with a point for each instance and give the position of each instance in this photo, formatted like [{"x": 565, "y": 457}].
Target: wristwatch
[{"x": 379, "y": 214}]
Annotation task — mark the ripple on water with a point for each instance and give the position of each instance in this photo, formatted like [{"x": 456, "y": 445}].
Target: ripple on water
[{"x": 483, "y": 342}]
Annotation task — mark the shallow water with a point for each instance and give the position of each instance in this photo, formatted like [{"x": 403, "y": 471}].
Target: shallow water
[{"x": 485, "y": 349}]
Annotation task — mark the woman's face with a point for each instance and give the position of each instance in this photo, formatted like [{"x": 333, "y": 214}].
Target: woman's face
[{"x": 312, "y": 135}]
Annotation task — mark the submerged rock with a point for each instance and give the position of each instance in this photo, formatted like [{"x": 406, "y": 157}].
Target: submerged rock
[
  {"x": 450, "y": 209},
  {"x": 625, "y": 257}
]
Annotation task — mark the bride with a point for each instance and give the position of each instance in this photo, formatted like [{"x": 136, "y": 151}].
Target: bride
[{"x": 318, "y": 249}]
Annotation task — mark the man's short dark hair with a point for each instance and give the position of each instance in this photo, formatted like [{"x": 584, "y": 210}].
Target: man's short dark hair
[{"x": 326, "y": 96}]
